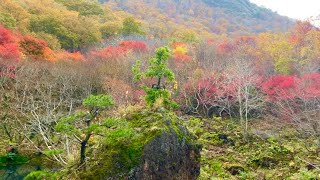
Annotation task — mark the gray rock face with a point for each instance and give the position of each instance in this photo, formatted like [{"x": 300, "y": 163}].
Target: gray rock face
[{"x": 170, "y": 156}]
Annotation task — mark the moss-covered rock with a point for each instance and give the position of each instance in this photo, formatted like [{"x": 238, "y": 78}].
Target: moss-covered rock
[
  {"x": 168, "y": 156},
  {"x": 145, "y": 145}
]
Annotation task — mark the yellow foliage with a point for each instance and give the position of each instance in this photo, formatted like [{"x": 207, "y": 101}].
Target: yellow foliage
[{"x": 180, "y": 50}]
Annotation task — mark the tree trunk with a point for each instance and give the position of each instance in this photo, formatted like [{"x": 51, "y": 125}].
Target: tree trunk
[
  {"x": 83, "y": 149},
  {"x": 159, "y": 83}
]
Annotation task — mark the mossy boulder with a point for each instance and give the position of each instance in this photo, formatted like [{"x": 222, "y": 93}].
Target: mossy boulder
[
  {"x": 169, "y": 156},
  {"x": 145, "y": 145}
]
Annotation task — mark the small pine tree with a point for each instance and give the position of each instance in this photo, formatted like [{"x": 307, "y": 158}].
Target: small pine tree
[
  {"x": 158, "y": 68},
  {"x": 82, "y": 123}
]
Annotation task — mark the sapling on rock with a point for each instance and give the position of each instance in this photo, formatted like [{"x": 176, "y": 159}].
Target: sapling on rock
[{"x": 158, "y": 68}]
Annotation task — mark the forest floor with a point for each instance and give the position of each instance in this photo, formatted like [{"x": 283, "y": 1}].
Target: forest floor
[{"x": 272, "y": 150}]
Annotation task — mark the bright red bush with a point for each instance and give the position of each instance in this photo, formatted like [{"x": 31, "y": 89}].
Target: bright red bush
[
  {"x": 211, "y": 90},
  {"x": 280, "y": 87},
  {"x": 136, "y": 46},
  {"x": 309, "y": 85},
  {"x": 9, "y": 47},
  {"x": 10, "y": 52},
  {"x": 286, "y": 87},
  {"x": 6, "y": 36}
]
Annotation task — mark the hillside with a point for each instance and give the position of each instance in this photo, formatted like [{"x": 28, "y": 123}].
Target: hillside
[
  {"x": 80, "y": 24},
  {"x": 157, "y": 89},
  {"x": 236, "y": 17}
]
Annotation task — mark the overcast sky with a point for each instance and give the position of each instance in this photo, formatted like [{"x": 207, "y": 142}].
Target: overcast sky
[{"x": 298, "y": 9}]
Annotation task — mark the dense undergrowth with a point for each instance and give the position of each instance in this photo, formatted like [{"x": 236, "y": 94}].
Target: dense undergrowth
[
  {"x": 272, "y": 151},
  {"x": 119, "y": 148}
]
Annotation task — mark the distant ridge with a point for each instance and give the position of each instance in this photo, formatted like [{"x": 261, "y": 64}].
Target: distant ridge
[{"x": 232, "y": 17}]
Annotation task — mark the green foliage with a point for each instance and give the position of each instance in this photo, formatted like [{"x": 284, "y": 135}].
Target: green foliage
[
  {"x": 50, "y": 25},
  {"x": 53, "y": 152},
  {"x": 158, "y": 68},
  {"x": 42, "y": 175},
  {"x": 66, "y": 124},
  {"x": 305, "y": 174},
  {"x": 98, "y": 101},
  {"x": 131, "y": 27},
  {"x": 13, "y": 159},
  {"x": 161, "y": 96},
  {"x": 136, "y": 71},
  {"x": 85, "y": 8},
  {"x": 114, "y": 123},
  {"x": 52, "y": 40},
  {"x": 82, "y": 123},
  {"x": 195, "y": 126},
  {"x": 7, "y": 21},
  {"x": 158, "y": 65},
  {"x": 110, "y": 29},
  {"x": 119, "y": 135}
]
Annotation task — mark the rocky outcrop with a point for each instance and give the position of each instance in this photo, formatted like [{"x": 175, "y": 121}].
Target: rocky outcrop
[
  {"x": 170, "y": 156},
  {"x": 145, "y": 145}
]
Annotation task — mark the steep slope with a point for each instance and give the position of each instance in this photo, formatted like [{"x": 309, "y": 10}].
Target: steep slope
[
  {"x": 232, "y": 17},
  {"x": 250, "y": 12}
]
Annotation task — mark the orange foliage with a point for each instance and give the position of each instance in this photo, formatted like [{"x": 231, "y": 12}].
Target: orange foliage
[
  {"x": 294, "y": 39},
  {"x": 75, "y": 56},
  {"x": 33, "y": 47},
  {"x": 109, "y": 52},
  {"x": 178, "y": 44},
  {"x": 137, "y": 46},
  {"x": 300, "y": 31},
  {"x": 49, "y": 55},
  {"x": 180, "y": 51}
]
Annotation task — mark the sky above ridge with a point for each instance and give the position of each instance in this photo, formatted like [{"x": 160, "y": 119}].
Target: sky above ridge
[{"x": 298, "y": 9}]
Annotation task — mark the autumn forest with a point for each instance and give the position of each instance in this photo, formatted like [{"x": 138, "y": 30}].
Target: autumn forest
[{"x": 149, "y": 89}]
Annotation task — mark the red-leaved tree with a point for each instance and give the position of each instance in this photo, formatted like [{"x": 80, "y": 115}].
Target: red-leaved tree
[
  {"x": 9, "y": 47},
  {"x": 295, "y": 99}
]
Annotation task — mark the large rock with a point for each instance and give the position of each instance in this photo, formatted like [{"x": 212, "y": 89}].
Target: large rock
[
  {"x": 170, "y": 156},
  {"x": 145, "y": 145}
]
